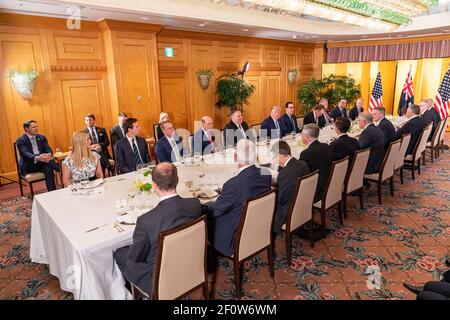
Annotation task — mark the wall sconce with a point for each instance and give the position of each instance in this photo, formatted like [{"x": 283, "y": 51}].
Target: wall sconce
[
  {"x": 292, "y": 75},
  {"x": 204, "y": 77},
  {"x": 23, "y": 82}
]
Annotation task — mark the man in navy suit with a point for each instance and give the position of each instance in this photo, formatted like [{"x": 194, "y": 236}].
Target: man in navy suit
[
  {"x": 288, "y": 120},
  {"x": 224, "y": 214},
  {"x": 316, "y": 116},
  {"x": 340, "y": 110},
  {"x": 118, "y": 132},
  {"x": 272, "y": 127},
  {"x": 384, "y": 124},
  {"x": 343, "y": 145},
  {"x": 356, "y": 110},
  {"x": 204, "y": 139},
  {"x": 99, "y": 140},
  {"x": 131, "y": 150},
  {"x": 429, "y": 114},
  {"x": 136, "y": 262},
  {"x": 236, "y": 130},
  {"x": 169, "y": 148},
  {"x": 35, "y": 154},
  {"x": 372, "y": 137},
  {"x": 414, "y": 125}
]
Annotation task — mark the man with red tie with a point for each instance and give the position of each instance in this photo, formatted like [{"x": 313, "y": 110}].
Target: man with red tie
[{"x": 204, "y": 139}]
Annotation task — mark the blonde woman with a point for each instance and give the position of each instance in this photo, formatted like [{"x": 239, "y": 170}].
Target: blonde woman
[
  {"x": 82, "y": 163},
  {"x": 162, "y": 118}
]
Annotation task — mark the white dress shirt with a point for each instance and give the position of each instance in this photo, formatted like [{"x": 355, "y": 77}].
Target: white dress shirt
[{"x": 168, "y": 196}]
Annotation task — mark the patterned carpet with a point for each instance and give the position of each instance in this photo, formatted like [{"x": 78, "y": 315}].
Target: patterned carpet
[{"x": 408, "y": 238}]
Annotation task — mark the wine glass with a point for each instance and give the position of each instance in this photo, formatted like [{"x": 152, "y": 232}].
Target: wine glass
[{"x": 197, "y": 156}]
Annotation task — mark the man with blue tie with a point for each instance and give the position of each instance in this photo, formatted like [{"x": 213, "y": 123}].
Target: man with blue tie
[
  {"x": 35, "y": 154},
  {"x": 340, "y": 110},
  {"x": 288, "y": 120},
  {"x": 131, "y": 150},
  {"x": 169, "y": 148},
  {"x": 204, "y": 139},
  {"x": 271, "y": 127}
]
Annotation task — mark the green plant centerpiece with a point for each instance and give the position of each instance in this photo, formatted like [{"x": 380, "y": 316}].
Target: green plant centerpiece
[
  {"x": 204, "y": 77},
  {"x": 233, "y": 92},
  {"x": 143, "y": 181},
  {"x": 331, "y": 87},
  {"x": 23, "y": 82}
]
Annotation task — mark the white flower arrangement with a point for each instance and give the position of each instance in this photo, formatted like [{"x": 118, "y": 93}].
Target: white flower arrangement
[{"x": 143, "y": 181}]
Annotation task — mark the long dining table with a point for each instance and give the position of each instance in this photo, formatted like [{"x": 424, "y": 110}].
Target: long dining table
[{"x": 76, "y": 233}]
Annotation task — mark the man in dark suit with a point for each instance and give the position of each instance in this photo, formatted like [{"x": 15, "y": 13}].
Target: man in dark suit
[
  {"x": 99, "y": 141},
  {"x": 318, "y": 156},
  {"x": 224, "y": 214},
  {"x": 340, "y": 110},
  {"x": 136, "y": 262},
  {"x": 372, "y": 137},
  {"x": 414, "y": 125},
  {"x": 429, "y": 114},
  {"x": 356, "y": 110},
  {"x": 316, "y": 116},
  {"x": 343, "y": 145},
  {"x": 204, "y": 139},
  {"x": 236, "y": 130},
  {"x": 290, "y": 170},
  {"x": 289, "y": 120},
  {"x": 131, "y": 150},
  {"x": 118, "y": 132},
  {"x": 271, "y": 127},
  {"x": 384, "y": 124},
  {"x": 35, "y": 154},
  {"x": 170, "y": 147}
]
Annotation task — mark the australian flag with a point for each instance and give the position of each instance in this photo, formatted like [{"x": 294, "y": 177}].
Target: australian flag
[{"x": 407, "y": 95}]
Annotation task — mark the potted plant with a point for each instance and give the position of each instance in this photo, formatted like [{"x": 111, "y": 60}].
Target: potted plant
[
  {"x": 331, "y": 88},
  {"x": 233, "y": 92},
  {"x": 204, "y": 77},
  {"x": 23, "y": 82},
  {"x": 292, "y": 75}
]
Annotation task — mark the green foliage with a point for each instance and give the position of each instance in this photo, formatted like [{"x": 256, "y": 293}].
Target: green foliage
[
  {"x": 233, "y": 92},
  {"x": 206, "y": 72},
  {"x": 30, "y": 74},
  {"x": 332, "y": 88},
  {"x": 146, "y": 187}
]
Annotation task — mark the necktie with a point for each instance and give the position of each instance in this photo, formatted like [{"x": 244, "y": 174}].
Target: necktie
[
  {"x": 277, "y": 126},
  {"x": 293, "y": 124},
  {"x": 94, "y": 136},
  {"x": 137, "y": 157},
  {"x": 123, "y": 131},
  {"x": 175, "y": 150},
  {"x": 34, "y": 145}
]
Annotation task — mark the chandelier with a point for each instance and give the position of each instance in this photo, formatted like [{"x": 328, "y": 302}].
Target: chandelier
[{"x": 373, "y": 14}]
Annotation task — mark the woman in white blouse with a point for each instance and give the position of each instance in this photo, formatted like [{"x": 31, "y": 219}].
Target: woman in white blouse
[{"x": 82, "y": 163}]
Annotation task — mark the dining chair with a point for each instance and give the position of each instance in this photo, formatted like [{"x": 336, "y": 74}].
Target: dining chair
[
  {"x": 417, "y": 154},
  {"x": 434, "y": 143},
  {"x": 442, "y": 135},
  {"x": 387, "y": 169},
  {"x": 155, "y": 131},
  {"x": 180, "y": 267},
  {"x": 300, "y": 122},
  {"x": 256, "y": 130},
  {"x": 400, "y": 161}
]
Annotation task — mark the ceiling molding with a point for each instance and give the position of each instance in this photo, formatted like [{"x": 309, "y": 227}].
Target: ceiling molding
[{"x": 340, "y": 44}]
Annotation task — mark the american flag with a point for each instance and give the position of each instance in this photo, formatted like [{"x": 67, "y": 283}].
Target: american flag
[
  {"x": 441, "y": 102},
  {"x": 376, "y": 98}
]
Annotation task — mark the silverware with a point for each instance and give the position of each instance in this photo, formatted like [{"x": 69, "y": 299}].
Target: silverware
[{"x": 103, "y": 225}]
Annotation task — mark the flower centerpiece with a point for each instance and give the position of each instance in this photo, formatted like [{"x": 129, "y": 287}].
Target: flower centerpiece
[{"x": 143, "y": 181}]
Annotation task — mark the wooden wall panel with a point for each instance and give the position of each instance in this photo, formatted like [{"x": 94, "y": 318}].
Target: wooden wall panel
[
  {"x": 272, "y": 92},
  {"x": 174, "y": 98},
  {"x": 253, "y": 112}
]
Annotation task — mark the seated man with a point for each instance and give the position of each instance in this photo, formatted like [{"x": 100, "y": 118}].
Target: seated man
[
  {"x": 356, "y": 110},
  {"x": 289, "y": 120},
  {"x": 340, "y": 110},
  {"x": 118, "y": 132},
  {"x": 271, "y": 127},
  {"x": 384, "y": 124},
  {"x": 236, "y": 130},
  {"x": 429, "y": 114},
  {"x": 203, "y": 142},
  {"x": 372, "y": 137},
  {"x": 343, "y": 145},
  {"x": 414, "y": 125},
  {"x": 291, "y": 170},
  {"x": 224, "y": 214},
  {"x": 316, "y": 116},
  {"x": 131, "y": 150},
  {"x": 318, "y": 156},
  {"x": 100, "y": 140},
  {"x": 136, "y": 261},
  {"x": 35, "y": 154},
  {"x": 169, "y": 148}
]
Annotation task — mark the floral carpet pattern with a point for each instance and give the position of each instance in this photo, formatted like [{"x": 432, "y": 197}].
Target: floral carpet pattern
[{"x": 407, "y": 238}]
